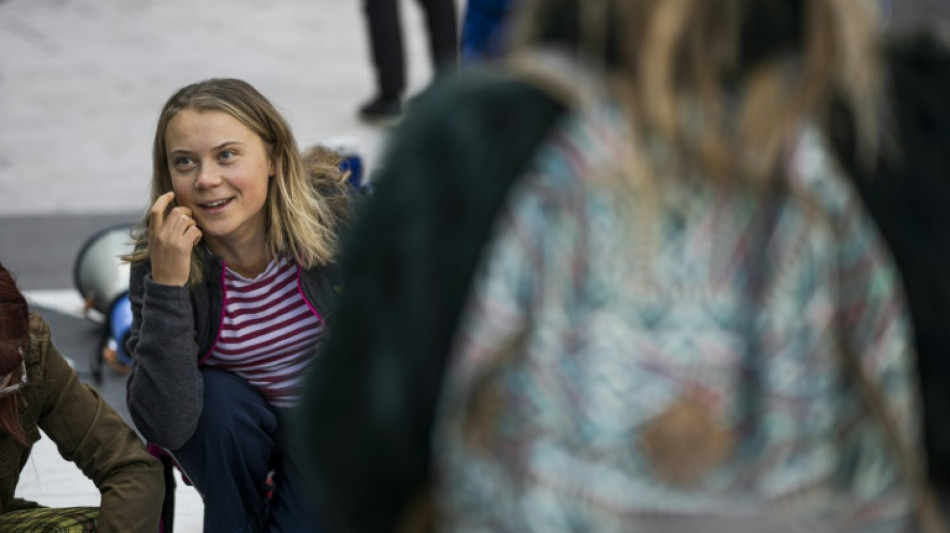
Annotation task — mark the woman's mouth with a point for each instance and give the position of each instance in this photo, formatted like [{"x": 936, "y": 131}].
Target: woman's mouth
[{"x": 216, "y": 205}]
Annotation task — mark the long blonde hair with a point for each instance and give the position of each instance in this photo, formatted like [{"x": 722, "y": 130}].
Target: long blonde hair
[
  {"x": 302, "y": 216},
  {"x": 724, "y": 83}
]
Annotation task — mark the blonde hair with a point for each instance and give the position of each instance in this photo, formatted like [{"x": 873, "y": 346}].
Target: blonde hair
[
  {"x": 711, "y": 79},
  {"x": 302, "y": 213}
]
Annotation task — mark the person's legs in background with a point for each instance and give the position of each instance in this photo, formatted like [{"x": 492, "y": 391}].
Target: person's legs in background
[
  {"x": 384, "y": 30},
  {"x": 442, "y": 25}
]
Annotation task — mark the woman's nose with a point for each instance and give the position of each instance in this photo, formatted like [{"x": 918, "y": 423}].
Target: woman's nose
[{"x": 207, "y": 177}]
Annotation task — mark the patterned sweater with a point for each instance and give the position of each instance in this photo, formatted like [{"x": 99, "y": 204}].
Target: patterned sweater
[{"x": 598, "y": 307}]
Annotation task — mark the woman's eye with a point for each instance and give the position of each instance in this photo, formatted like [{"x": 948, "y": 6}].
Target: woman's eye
[
  {"x": 226, "y": 154},
  {"x": 183, "y": 162}
]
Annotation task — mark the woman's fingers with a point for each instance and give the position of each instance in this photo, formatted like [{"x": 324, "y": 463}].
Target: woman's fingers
[
  {"x": 194, "y": 233},
  {"x": 177, "y": 230},
  {"x": 156, "y": 216},
  {"x": 178, "y": 220},
  {"x": 181, "y": 220},
  {"x": 187, "y": 225},
  {"x": 174, "y": 233}
]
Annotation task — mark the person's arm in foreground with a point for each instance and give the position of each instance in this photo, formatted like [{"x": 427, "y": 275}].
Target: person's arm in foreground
[{"x": 90, "y": 433}]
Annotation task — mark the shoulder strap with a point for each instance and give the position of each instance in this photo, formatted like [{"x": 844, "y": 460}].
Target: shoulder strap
[
  {"x": 407, "y": 263},
  {"x": 757, "y": 285}
]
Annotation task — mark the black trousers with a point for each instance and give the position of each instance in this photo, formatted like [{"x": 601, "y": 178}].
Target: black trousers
[{"x": 386, "y": 41}]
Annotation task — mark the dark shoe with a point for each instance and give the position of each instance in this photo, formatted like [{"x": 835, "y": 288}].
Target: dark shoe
[{"x": 381, "y": 111}]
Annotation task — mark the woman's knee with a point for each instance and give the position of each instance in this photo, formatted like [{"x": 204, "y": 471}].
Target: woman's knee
[{"x": 234, "y": 409}]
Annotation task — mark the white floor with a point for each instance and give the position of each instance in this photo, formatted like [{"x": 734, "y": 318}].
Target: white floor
[{"x": 82, "y": 82}]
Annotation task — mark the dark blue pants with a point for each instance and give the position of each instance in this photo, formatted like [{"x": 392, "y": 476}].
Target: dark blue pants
[{"x": 237, "y": 442}]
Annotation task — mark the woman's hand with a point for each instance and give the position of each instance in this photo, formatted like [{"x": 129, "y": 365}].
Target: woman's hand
[{"x": 171, "y": 240}]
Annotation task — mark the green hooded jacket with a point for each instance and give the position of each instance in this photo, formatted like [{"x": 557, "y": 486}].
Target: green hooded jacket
[{"x": 88, "y": 432}]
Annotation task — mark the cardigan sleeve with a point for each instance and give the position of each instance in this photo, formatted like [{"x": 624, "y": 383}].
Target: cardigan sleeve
[{"x": 165, "y": 388}]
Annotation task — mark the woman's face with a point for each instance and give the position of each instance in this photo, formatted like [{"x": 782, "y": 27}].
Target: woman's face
[{"x": 221, "y": 170}]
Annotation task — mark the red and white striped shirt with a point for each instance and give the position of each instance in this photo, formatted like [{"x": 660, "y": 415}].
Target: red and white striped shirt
[{"x": 268, "y": 331}]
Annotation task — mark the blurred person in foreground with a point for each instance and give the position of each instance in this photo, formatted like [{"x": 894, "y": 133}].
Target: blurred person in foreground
[
  {"x": 620, "y": 285},
  {"x": 39, "y": 390},
  {"x": 907, "y": 191}
]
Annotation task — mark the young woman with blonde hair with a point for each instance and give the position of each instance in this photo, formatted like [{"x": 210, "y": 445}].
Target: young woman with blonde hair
[
  {"x": 231, "y": 294},
  {"x": 627, "y": 289}
]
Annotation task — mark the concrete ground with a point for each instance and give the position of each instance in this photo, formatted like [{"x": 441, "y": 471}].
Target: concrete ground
[{"x": 81, "y": 83}]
